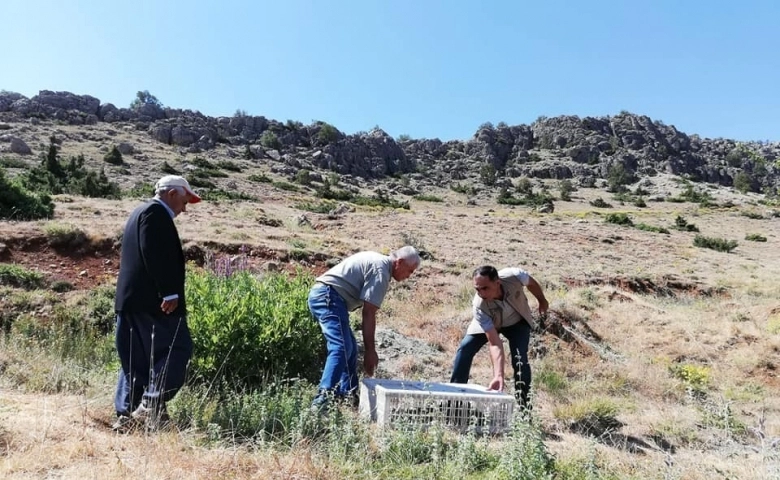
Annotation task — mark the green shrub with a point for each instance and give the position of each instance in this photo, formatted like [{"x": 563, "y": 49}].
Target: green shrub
[
  {"x": 327, "y": 134},
  {"x": 65, "y": 236},
  {"x": 379, "y": 199},
  {"x": 114, "y": 156},
  {"x": 755, "y": 237},
  {"x": 246, "y": 329},
  {"x": 276, "y": 412},
  {"x": 752, "y": 215},
  {"x": 488, "y": 174},
  {"x": 8, "y": 162},
  {"x": 565, "y": 188},
  {"x": 618, "y": 177},
  {"x": 600, "y": 203},
  {"x": 651, "y": 228},
  {"x": 54, "y": 177},
  {"x": 524, "y": 186},
  {"x": 17, "y": 203},
  {"x": 338, "y": 194},
  {"x": 695, "y": 377},
  {"x": 428, "y": 198},
  {"x": 17, "y": 276},
  {"x": 680, "y": 223},
  {"x": 269, "y": 140},
  {"x": 719, "y": 244},
  {"x": 140, "y": 190},
  {"x": 200, "y": 182},
  {"x": 303, "y": 176},
  {"x": 321, "y": 207},
  {"x": 287, "y": 186},
  {"x": 744, "y": 183},
  {"x": 229, "y": 165},
  {"x": 465, "y": 189},
  {"x": 259, "y": 178},
  {"x": 620, "y": 218},
  {"x": 167, "y": 169},
  {"x": 217, "y": 194}
]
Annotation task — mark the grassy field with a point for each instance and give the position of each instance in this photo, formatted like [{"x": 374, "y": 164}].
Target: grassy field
[{"x": 660, "y": 358}]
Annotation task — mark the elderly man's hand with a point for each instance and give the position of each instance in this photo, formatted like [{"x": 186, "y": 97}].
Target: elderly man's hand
[{"x": 169, "y": 306}]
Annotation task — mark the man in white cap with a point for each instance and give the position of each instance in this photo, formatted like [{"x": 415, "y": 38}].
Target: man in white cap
[{"x": 152, "y": 337}]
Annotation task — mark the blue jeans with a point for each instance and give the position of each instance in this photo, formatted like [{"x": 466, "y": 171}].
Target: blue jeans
[
  {"x": 340, "y": 375},
  {"x": 518, "y": 335}
]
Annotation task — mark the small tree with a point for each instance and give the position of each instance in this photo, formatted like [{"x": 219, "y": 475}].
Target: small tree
[
  {"x": 487, "y": 173},
  {"x": 619, "y": 177},
  {"x": 565, "y": 188},
  {"x": 17, "y": 203},
  {"x": 269, "y": 140},
  {"x": 524, "y": 186},
  {"x": 114, "y": 157},
  {"x": 145, "y": 98},
  {"x": 327, "y": 134}
]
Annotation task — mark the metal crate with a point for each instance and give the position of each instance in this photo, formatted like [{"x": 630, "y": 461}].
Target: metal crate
[{"x": 455, "y": 405}]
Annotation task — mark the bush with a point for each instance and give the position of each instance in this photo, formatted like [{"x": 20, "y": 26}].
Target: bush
[
  {"x": 680, "y": 223},
  {"x": 465, "y": 189},
  {"x": 114, "y": 157},
  {"x": 303, "y": 176},
  {"x": 167, "y": 169},
  {"x": 488, "y": 174},
  {"x": 259, "y": 178},
  {"x": 269, "y": 140},
  {"x": 428, "y": 198},
  {"x": 17, "y": 203},
  {"x": 600, "y": 203},
  {"x": 327, "y": 134},
  {"x": 54, "y": 177},
  {"x": 229, "y": 166},
  {"x": 19, "y": 277},
  {"x": 755, "y": 237},
  {"x": 651, "y": 228},
  {"x": 719, "y": 244},
  {"x": 65, "y": 236},
  {"x": 744, "y": 183},
  {"x": 618, "y": 177},
  {"x": 619, "y": 219},
  {"x": 246, "y": 329},
  {"x": 321, "y": 207},
  {"x": 565, "y": 188}
]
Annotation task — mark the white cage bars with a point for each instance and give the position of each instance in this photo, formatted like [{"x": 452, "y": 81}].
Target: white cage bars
[{"x": 421, "y": 403}]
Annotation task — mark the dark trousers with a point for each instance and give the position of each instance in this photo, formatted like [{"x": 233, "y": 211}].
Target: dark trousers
[
  {"x": 518, "y": 335},
  {"x": 153, "y": 352}
]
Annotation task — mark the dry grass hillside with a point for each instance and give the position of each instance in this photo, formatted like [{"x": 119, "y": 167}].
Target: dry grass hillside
[{"x": 660, "y": 359}]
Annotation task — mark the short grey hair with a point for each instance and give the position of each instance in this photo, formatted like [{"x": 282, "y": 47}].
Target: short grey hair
[
  {"x": 408, "y": 254},
  {"x": 162, "y": 190}
]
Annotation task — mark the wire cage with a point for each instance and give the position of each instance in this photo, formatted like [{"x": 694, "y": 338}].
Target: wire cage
[{"x": 457, "y": 406}]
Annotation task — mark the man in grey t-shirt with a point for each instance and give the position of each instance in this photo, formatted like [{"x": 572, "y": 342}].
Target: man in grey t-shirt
[{"x": 360, "y": 280}]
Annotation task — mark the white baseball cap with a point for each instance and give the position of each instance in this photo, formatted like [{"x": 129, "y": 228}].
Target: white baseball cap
[{"x": 177, "y": 181}]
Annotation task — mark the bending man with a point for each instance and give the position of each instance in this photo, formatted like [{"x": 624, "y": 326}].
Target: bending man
[
  {"x": 500, "y": 307},
  {"x": 361, "y": 280}
]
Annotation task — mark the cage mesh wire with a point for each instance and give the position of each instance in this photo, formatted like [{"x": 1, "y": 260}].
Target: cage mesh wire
[{"x": 421, "y": 404}]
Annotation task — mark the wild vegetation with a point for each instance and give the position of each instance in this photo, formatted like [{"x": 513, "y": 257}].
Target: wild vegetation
[{"x": 657, "y": 359}]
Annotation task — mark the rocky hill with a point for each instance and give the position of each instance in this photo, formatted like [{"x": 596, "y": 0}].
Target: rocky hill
[{"x": 583, "y": 149}]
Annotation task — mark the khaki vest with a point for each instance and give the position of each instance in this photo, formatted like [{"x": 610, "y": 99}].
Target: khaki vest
[{"x": 514, "y": 295}]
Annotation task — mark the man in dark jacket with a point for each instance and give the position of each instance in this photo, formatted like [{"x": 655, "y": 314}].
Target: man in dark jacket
[{"x": 152, "y": 337}]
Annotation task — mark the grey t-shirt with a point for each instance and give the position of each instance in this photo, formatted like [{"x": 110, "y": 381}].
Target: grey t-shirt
[{"x": 362, "y": 277}]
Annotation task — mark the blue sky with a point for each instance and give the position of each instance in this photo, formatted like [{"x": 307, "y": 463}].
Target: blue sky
[{"x": 424, "y": 68}]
